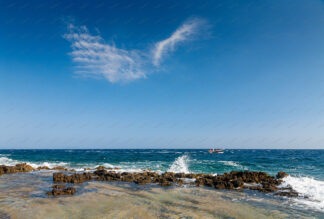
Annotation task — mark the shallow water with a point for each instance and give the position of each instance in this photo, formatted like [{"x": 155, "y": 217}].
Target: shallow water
[
  {"x": 22, "y": 195},
  {"x": 305, "y": 167}
]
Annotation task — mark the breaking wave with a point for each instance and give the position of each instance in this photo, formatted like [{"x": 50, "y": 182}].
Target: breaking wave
[
  {"x": 10, "y": 162},
  {"x": 180, "y": 165},
  {"x": 311, "y": 191}
]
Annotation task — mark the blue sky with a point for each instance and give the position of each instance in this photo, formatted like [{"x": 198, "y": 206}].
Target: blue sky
[{"x": 162, "y": 74}]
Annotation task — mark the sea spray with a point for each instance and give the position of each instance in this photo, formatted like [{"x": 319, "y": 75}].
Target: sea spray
[
  {"x": 180, "y": 165},
  {"x": 311, "y": 191}
]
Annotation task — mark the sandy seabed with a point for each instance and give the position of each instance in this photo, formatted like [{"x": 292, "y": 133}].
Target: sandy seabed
[{"x": 22, "y": 195}]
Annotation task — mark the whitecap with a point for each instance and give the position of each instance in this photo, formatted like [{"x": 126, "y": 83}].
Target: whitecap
[
  {"x": 310, "y": 190},
  {"x": 7, "y": 161},
  {"x": 231, "y": 163},
  {"x": 180, "y": 165}
]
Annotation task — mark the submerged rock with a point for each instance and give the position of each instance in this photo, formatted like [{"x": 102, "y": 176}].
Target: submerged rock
[
  {"x": 290, "y": 193},
  {"x": 58, "y": 186},
  {"x": 61, "y": 190}
]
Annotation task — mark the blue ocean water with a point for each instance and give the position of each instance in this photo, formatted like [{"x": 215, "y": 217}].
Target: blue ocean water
[
  {"x": 308, "y": 163},
  {"x": 306, "y": 167}
]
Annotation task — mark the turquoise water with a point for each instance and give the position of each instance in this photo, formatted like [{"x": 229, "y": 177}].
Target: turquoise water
[{"x": 308, "y": 163}]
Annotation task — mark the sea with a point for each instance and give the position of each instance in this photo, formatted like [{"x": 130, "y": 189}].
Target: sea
[{"x": 26, "y": 190}]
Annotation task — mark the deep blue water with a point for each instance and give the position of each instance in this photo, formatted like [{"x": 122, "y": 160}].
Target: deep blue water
[{"x": 308, "y": 163}]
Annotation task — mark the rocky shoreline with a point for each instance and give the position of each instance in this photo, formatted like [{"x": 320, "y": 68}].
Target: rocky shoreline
[{"x": 235, "y": 180}]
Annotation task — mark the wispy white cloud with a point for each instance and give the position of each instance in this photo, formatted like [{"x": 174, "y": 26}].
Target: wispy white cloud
[
  {"x": 96, "y": 58},
  {"x": 184, "y": 33}
]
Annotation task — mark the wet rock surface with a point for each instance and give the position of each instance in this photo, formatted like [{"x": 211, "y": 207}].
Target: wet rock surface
[
  {"x": 22, "y": 167},
  {"x": 239, "y": 180},
  {"x": 259, "y": 181},
  {"x": 61, "y": 190}
]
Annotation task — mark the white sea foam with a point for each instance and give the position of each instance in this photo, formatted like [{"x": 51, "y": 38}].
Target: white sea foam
[
  {"x": 108, "y": 165},
  {"x": 230, "y": 163},
  {"x": 180, "y": 165},
  {"x": 7, "y": 161},
  {"x": 311, "y": 191},
  {"x": 48, "y": 164},
  {"x": 10, "y": 162}
]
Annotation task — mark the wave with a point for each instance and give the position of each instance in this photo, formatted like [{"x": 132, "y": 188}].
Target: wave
[
  {"x": 7, "y": 161},
  {"x": 231, "y": 163},
  {"x": 10, "y": 162},
  {"x": 180, "y": 165},
  {"x": 311, "y": 191}
]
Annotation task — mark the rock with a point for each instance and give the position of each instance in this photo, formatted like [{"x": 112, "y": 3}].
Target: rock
[
  {"x": 22, "y": 167},
  {"x": 58, "y": 186},
  {"x": 142, "y": 179},
  {"x": 126, "y": 177},
  {"x": 180, "y": 175},
  {"x": 281, "y": 175},
  {"x": 219, "y": 185},
  {"x": 287, "y": 193},
  {"x": 43, "y": 168},
  {"x": 74, "y": 178},
  {"x": 100, "y": 168},
  {"x": 233, "y": 180},
  {"x": 100, "y": 172},
  {"x": 268, "y": 187},
  {"x": 190, "y": 175},
  {"x": 59, "y": 168},
  {"x": 62, "y": 191},
  {"x": 164, "y": 183},
  {"x": 238, "y": 183}
]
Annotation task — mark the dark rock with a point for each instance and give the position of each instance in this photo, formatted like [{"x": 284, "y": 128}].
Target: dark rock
[
  {"x": 62, "y": 191},
  {"x": 238, "y": 183},
  {"x": 281, "y": 175},
  {"x": 164, "y": 183},
  {"x": 74, "y": 178},
  {"x": 233, "y": 180},
  {"x": 100, "y": 172},
  {"x": 287, "y": 193},
  {"x": 58, "y": 186},
  {"x": 22, "y": 167},
  {"x": 59, "y": 168},
  {"x": 180, "y": 175},
  {"x": 43, "y": 168},
  {"x": 142, "y": 179}
]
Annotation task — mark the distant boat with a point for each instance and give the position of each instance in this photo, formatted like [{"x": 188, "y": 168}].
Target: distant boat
[{"x": 218, "y": 151}]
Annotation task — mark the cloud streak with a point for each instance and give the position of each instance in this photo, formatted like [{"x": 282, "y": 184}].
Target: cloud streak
[
  {"x": 184, "y": 33},
  {"x": 96, "y": 58}
]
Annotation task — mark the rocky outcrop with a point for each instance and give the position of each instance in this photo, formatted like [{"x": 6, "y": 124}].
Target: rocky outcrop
[
  {"x": 61, "y": 190},
  {"x": 281, "y": 175},
  {"x": 260, "y": 181},
  {"x": 22, "y": 167},
  {"x": 73, "y": 178}
]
